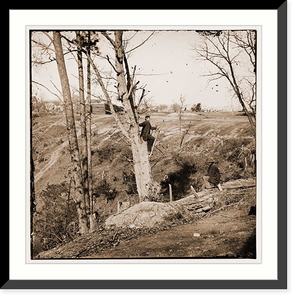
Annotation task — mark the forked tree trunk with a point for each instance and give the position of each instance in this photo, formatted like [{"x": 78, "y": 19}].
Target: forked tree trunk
[
  {"x": 72, "y": 135},
  {"x": 148, "y": 189}
]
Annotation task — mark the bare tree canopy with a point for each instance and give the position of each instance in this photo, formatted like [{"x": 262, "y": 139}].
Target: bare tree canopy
[{"x": 228, "y": 52}]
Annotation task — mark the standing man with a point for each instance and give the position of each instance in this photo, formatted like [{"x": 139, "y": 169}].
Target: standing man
[
  {"x": 145, "y": 134},
  {"x": 213, "y": 176}
]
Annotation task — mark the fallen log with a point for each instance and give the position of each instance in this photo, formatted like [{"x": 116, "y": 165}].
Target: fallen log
[
  {"x": 240, "y": 187},
  {"x": 240, "y": 183},
  {"x": 201, "y": 204}
]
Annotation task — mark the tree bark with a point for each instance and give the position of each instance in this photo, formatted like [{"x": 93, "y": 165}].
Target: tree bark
[
  {"x": 148, "y": 189},
  {"x": 84, "y": 158},
  {"x": 88, "y": 128},
  {"x": 72, "y": 135}
]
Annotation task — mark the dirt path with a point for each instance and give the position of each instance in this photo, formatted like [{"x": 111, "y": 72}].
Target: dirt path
[
  {"x": 57, "y": 153},
  {"x": 229, "y": 234},
  {"x": 53, "y": 159}
]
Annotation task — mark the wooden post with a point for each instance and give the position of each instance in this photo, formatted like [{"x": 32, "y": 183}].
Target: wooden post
[
  {"x": 170, "y": 192},
  {"x": 119, "y": 206},
  {"x": 194, "y": 192},
  {"x": 245, "y": 164}
]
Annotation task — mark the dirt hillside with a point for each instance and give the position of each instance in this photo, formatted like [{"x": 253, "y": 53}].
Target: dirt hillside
[{"x": 178, "y": 159}]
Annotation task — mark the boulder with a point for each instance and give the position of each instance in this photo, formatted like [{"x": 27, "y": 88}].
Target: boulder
[{"x": 149, "y": 215}]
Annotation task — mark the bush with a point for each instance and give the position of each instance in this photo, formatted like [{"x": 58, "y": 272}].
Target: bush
[
  {"x": 107, "y": 152},
  {"x": 196, "y": 107},
  {"x": 129, "y": 180},
  {"x": 104, "y": 188},
  {"x": 52, "y": 220}
]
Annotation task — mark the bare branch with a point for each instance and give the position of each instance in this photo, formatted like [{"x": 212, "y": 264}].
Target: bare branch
[
  {"x": 104, "y": 33},
  {"x": 36, "y": 62},
  {"x": 142, "y": 96},
  {"x": 99, "y": 78},
  {"x": 43, "y": 45},
  {"x": 67, "y": 39},
  {"x": 132, "y": 88},
  {"x": 38, "y": 83},
  {"x": 50, "y": 38},
  {"x": 141, "y": 43},
  {"x": 108, "y": 59},
  {"x": 56, "y": 88}
]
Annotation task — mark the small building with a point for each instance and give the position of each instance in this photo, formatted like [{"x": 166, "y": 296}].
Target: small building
[
  {"x": 104, "y": 108},
  {"x": 98, "y": 108}
]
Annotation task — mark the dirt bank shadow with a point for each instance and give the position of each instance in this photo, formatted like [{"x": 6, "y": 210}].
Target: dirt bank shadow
[{"x": 180, "y": 180}]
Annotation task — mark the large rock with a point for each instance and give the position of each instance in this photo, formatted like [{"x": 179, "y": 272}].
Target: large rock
[{"x": 149, "y": 214}]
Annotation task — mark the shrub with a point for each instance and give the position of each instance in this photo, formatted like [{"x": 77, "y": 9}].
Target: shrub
[
  {"x": 107, "y": 152},
  {"x": 52, "y": 220},
  {"x": 196, "y": 107},
  {"x": 129, "y": 180},
  {"x": 104, "y": 188}
]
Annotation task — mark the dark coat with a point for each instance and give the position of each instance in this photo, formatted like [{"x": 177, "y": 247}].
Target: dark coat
[
  {"x": 146, "y": 129},
  {"x": 214, "y": 174}
]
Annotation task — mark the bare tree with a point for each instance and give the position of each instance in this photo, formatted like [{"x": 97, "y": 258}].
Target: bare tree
[
  {"x": 46, "y": 54},
  {"x": 88, "y": 128},
  {"x": 247, "y": 41},
  {"x": 84, "y": 156},
  {"x": 179, "y": 109},
  {"x": 226, "y": 51},
  {"x": 72, "y": 135},
  {"x": 84, "y": 41},
  {"x": 128, "y": 123}
]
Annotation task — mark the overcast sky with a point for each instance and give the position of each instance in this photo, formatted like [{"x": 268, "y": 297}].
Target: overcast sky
[{"x": 166, "y": 64}]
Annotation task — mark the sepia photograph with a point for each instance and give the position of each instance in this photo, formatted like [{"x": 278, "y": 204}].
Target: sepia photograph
[{"x": 143, "y": 144}]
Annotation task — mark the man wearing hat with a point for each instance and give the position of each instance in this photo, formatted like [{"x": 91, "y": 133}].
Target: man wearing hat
[
  {"x": 213, "y": 176},
  {"x": 145, "y": 134}
]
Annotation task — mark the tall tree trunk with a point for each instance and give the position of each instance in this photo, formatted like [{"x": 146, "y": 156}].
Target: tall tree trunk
[
  {"x": 92, "y": 221},
  {"x": 72, "y": 135},
  {"x": 148, "y": 189},
  {"x": 238, "y": 93},
  {"x": 84, "y": 159},
  {"x": 32, "y": 186}
]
